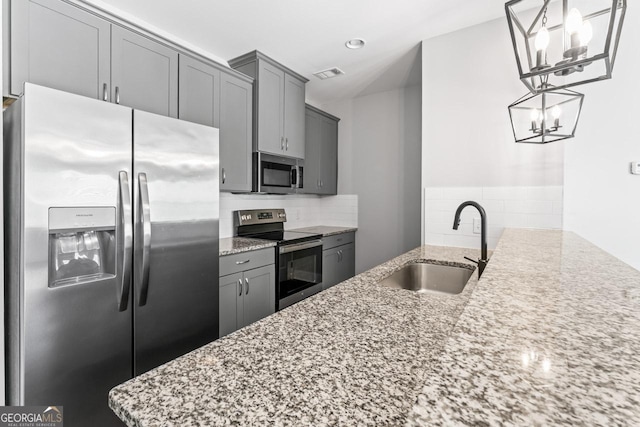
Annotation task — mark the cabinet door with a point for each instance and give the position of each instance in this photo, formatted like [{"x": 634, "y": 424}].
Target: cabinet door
[
  {"x": 329, "y": 157},
  {"x": 271, "y": 108},
  {"x": 199, "y": 98},
  {"x": 347, "y": 263},
  {"x": 313, "y": 142},
  {"x": 294, "y": 113},
  {"x": 236, "y": 131},
  {"x": 229, "y": 302},
  {"x": 259, "y": 293},
  {"x": 330, "y": 268},
  {"x": 60, "y": 46},
  {"x": 144, "y": 73}
]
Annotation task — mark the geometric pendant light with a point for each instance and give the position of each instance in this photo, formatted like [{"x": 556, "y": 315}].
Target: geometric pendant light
[
  {"x": 564, "y": 43},
  {"x": 549, "y": 116}
]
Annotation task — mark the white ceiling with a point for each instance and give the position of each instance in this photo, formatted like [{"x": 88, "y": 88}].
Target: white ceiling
[{"x": 309, "y": 36}]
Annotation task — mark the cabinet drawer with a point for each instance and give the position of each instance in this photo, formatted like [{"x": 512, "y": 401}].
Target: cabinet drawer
[
  {"x": 337, "y": 240},
  {"x": 230, "y": 264}
]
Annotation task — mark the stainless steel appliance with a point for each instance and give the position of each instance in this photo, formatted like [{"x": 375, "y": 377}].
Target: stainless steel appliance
[
  {"x": 277, "y": 174},
  {"x": 298, "y": 254},
  {"x": 112, "y": 247}
]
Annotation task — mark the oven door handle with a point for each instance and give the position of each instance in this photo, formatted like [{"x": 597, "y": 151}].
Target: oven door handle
[{"x": 300, "y": 246}]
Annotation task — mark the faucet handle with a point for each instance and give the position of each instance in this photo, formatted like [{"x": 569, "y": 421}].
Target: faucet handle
[{"x": 472, "y": 260}]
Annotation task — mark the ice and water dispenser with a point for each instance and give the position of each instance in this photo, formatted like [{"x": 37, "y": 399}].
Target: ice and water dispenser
[{"x": 82, "y": 245}]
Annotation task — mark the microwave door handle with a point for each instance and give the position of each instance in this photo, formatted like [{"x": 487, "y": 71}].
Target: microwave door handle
[
  {"x": 124, "y": 224},
  {"x": 294, "y": 177},
  {"x": 145, "y": 230}
]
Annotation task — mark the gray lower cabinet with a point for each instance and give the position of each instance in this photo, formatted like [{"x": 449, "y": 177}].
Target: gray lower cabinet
[
  {"x": 57, "y": 45},
  {"x": 247, "y": 294},
  {"x": 279, "y": 105},
  {"x": 144, "y": 73},
  {"x": 338, "y": 259},
  {"x": 217, "y": 98},
  {"x": 321, "y": 152}
]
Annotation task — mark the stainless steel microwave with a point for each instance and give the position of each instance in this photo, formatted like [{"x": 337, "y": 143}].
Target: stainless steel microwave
[{"x": 277, "y": 174}]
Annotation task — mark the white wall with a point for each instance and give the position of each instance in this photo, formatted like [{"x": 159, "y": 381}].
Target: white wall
[
  {"x": 302, "y": 210},
  {"x": 602, "y": 199},
  {"x": 469, "y": 77},
  {"x": 379, "y": 160}
]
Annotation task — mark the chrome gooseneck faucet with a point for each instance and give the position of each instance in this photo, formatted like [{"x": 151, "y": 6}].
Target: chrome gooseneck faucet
[{"x": 482, "y": 262}]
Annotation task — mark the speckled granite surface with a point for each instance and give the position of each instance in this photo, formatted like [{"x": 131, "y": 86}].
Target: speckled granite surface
[
  {"x": 236, "y": 245},
  {"x": 550, "y": 337},
  {"x": 356, "y": 354},
  {"x": 326, "y": 230}
]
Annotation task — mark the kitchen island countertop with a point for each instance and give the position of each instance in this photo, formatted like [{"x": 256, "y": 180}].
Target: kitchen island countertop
[
  {"x": 549, "y": 336},
  {"x": 355, "y": 353}
]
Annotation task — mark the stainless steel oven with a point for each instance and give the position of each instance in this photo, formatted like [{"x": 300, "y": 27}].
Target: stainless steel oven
[
  {"x": 277, "y": 174},
  {"x": 298, "y": 254},
  {"x": 299, "y": 271}
]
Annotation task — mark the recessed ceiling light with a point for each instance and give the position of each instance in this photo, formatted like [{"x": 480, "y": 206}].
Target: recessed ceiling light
[{"x": 355, "y": 43}]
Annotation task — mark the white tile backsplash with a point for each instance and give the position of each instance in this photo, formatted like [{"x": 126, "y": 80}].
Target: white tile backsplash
[
  {"x": 515, "y": 207},
  {"x": 302, "y": 210}
]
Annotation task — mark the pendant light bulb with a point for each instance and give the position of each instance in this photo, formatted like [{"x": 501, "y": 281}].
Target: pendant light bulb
[
  {"x": 586, "y": 33},
  {"x": 574, "y": 21},
  {"x": 556, "y": 111},
  {"x": 535, "y": 115},
  {"x": 542, "y": 39}
]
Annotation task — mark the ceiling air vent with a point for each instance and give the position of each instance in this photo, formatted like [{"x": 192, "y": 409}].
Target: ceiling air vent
[{"x": 328, "y": 74}]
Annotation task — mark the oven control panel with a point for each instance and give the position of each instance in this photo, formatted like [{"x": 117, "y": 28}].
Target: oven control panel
[{"x": 259, "y": 216}]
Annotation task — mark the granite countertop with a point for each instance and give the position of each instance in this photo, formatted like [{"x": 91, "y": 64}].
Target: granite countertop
[
  {"x": 356, "y": 353},
  {"x": 551, "y": 336},
  {"x": 236, "y": 245},
  {"x": 326, "y": 230}
]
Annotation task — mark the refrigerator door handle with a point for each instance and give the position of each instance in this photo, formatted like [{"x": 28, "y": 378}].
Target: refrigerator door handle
[
  {"x": 127, "y": 237},
  {"x": 144, "y": 222}
]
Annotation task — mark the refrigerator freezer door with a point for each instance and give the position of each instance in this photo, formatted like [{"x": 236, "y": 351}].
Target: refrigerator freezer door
[
  {"x": 176, "y": 238},
  {"x": 71, "y": 344}
]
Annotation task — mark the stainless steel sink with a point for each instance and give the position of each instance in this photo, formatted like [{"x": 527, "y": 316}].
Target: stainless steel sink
[{"x": 429, "y": 278}]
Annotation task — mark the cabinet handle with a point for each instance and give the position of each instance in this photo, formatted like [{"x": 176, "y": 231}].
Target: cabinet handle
[
  {"x": 318, "y": 183},
  {"x": 246, "y": 282},
  {"x": 282, "y": 142},
  {"x": 321, "y": 183},
  {"x": 224, "y": 176},
  {"x": 340, "y": 256},
  {"x": 240, "y": 283},
  {"x": 242, "y": 262},
  {"x": 104, "y": 92},
  {"x": 117, "y": 95},
  {"x": 286, "y": 140}
]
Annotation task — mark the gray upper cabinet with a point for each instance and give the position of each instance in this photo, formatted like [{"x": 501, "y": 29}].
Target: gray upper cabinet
[
  {"x": 199, "y": 92},
  {"x": 278, "y": 107},
  {"x": 236, "y": 133},
  {"x": 321, "y": 152},
  {"x": 222, "y": 99},
  {"x": 60, "y": 46},
  {"x": 270, "y": 112},
  {"x": 144, "y": 73},
  {"x": 294, "y": 95}
]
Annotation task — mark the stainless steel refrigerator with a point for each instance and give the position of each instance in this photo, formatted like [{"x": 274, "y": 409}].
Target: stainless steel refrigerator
[{"x": 111, "y": 247}]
